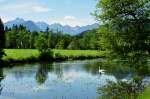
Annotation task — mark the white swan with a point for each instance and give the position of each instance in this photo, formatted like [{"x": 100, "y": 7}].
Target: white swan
[{"x": 101, "y": 71}]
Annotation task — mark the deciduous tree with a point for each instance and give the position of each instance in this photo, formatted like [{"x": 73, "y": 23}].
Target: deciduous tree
[{"x": 126, "y": 25}]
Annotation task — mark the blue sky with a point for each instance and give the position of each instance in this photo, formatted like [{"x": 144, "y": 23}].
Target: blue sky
[{"x": 66, "y": 12}]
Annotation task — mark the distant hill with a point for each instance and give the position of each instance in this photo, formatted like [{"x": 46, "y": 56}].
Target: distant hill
[
  {"x": 41, "y": 26},
  {"x": 93, "y": 31}
]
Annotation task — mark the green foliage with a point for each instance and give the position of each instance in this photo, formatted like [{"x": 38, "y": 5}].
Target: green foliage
[
  {"x": 46, "y": 55},
  {"x": 19, "y": 37},
  {"x": 2, "y": 39},
  {"x": 74, "y": 44},
  {"x": 41, "y": 42},
  {"x": 60, "y": 44},
  {"x": 122, "y": 89},
  {"x": 125, "y": 25},
  {"x": 2, "y": 53},
  {"x": 87, "y": 40}
]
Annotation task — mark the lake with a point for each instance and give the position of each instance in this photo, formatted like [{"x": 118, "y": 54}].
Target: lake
[{"x": 60, "y": 80}]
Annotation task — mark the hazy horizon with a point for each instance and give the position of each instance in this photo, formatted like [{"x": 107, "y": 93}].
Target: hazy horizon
[{"x": 50, "y": 23}]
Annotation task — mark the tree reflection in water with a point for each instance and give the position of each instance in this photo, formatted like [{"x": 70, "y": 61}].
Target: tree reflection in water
[
  {"x": 42, "y": 73},
  {"x": 126, "y": 88},
  {"x": 58, "y": 70},
  {"x": 1, "y": 78},
  {"x": 44, "y": 69}
]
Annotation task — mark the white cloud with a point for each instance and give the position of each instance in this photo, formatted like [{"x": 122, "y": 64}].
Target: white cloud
[
  {"x": 11, "y": 11},
  {"x": 73, "y": 21},
  {"x": 69, "y": 18},
  {"x": 38, "y": 8},
  {"x": 24, "y": 8}
]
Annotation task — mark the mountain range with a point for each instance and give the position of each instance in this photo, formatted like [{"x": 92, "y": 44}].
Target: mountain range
[{"x": 41, "y": 26}]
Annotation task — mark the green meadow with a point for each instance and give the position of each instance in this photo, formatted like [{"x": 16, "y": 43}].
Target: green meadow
[{"x": 24, "y": 54}]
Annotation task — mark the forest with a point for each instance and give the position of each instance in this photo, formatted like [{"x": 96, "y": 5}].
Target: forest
[{"x": 18, "y": 37}]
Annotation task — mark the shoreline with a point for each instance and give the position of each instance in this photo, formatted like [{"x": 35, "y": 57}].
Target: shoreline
[
  {"x": 23, "y": 56},
  {"x": 11, "y": 62}
]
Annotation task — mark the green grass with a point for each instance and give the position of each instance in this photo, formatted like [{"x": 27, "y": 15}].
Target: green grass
[
  {"x": 20, "y": 54},
  {"x": 23, "y": 54},
  {"x": 145, "y": 94},
  {"x": 76, "y": 53}
]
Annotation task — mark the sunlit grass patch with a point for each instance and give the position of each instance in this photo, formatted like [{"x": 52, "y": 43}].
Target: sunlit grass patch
[
  {"x": 20, "y": 54},
  {"x": 24, "y": 54}
]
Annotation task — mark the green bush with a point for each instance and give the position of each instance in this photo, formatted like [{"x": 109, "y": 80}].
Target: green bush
[{"x": 46, "y": 55}]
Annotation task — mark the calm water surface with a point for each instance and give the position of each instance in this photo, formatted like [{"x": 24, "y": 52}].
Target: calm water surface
[{"x": 60, "y": 80}]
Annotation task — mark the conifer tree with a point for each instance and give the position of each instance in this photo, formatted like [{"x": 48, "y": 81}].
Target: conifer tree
[{"x": 2, "y": 38}]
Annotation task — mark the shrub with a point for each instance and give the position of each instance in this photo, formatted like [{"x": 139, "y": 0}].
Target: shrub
[{"x": 46, "y": 55}]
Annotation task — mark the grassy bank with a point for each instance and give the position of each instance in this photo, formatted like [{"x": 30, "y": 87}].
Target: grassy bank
[
  {"x": 145, "y": 94},
  {"x": 77, "y": 54},
  {"x": 25, "y": 55}
]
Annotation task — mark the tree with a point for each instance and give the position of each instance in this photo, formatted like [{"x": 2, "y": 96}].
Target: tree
[
  {"x": 32, "y": 39},
  {"x": 2, "y": 39},
  {"x": 47, "y": 31},
  {"x": 60, "y": 44},
  {"x": 88, "y": 41},
  {"x": 13, "y": 36},
  {"x": 41, "y": 42},
  {"x": 74, "y": 45},
  {"x": 126, "y": 25}
]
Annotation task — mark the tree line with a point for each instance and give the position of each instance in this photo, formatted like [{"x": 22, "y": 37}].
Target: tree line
[{"x": 18, "y": 37}]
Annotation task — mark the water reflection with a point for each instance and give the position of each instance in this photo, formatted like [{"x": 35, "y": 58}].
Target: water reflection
[
  {"x": 42, "y": 72},
  {"x": 130, "y": 84},
  {"x": 70, "y": 79},
  {"x": 122, "y": 89},
  {"x": 58, "y": 70},
  {"x": 1, "y": 78},
  {"x": 116, "y": 68}
]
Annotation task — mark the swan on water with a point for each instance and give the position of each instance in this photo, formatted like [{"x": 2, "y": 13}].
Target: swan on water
[{"x": 101, "y": 71}]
